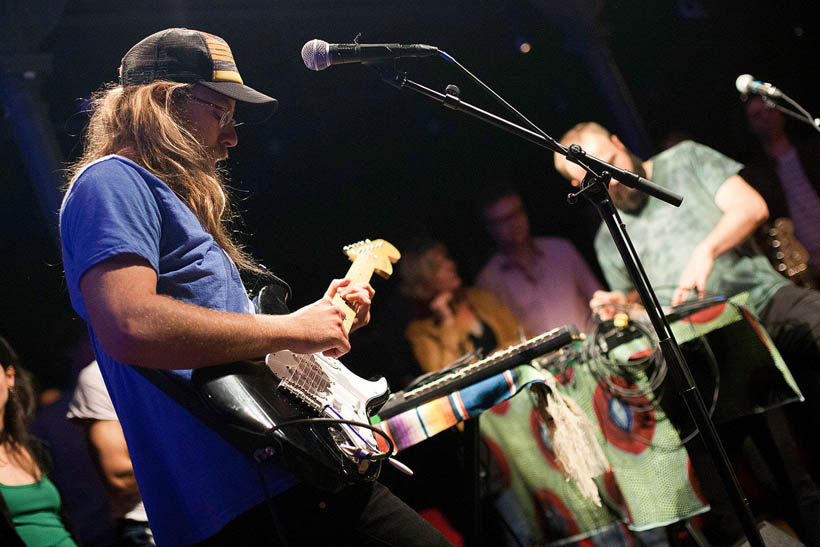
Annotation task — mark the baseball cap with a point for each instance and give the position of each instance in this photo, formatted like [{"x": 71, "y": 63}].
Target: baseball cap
[{"x": 191, "y": 56}]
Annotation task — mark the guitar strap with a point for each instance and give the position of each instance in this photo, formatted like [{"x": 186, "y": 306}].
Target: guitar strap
[{"x": 272, "y": 299}]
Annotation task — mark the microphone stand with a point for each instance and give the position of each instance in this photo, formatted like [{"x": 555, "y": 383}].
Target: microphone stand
[
  {"x": 595, "y": 188},
  {"x": 802, "y": 114}
]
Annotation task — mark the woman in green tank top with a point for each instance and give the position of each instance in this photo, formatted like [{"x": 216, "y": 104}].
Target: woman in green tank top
[{"x": 29, "y": 501}]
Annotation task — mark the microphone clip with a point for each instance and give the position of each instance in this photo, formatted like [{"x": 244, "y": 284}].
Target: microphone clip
[{"x": 451, "y": 96}]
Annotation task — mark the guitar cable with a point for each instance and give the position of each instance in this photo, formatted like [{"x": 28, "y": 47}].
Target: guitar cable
[
  {"x": 383, "y": 455},
  {"x": 597, "y": 350}
]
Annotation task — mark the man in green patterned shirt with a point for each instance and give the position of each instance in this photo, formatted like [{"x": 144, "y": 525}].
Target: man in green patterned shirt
[{"x": 699, "y": 248}]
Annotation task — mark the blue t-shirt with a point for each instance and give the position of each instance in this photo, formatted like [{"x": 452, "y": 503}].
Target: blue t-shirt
[{"x": 192, "y": 481}]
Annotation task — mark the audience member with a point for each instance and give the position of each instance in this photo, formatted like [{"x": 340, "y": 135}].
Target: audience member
[
  {"x": 92, "y": 407},
  {"x": 29, "y": 501},
  {"x": 543, "y": 280},
  {"x": 73, "y": 469},
  {"x": 444, "y": 327},
  {"x": 451, "y": 320}
]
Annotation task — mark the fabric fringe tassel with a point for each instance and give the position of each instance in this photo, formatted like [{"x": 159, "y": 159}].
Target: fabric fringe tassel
[{"x": 577, "y": 452}]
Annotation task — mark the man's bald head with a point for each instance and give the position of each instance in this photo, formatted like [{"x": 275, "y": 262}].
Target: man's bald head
[
  {"x": 581, "y": 133},
  {"x": 598, "y": 141}
]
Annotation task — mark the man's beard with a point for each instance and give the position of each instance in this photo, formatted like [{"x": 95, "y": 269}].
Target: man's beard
[{"x": 630, "y": 200}]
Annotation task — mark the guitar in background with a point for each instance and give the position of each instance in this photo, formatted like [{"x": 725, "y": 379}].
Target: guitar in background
[{"x": 786, "y": 253}]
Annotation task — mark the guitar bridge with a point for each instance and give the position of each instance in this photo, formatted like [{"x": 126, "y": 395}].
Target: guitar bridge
[{"x": 307, "y": 397}]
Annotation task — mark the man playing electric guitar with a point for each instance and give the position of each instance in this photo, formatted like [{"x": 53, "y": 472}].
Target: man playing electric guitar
[{"x": 151, "y": 266}]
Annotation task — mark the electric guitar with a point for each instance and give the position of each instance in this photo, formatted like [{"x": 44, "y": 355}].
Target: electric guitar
[{"x": 290, "y": 404}]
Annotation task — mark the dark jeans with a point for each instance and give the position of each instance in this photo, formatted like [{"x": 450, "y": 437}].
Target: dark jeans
[
  {"x": 361, "y": 515},
  {"x": 792, "y": 319}
]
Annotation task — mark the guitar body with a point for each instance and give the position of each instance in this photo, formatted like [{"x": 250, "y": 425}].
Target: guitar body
[{"x": 247, "y": 401}]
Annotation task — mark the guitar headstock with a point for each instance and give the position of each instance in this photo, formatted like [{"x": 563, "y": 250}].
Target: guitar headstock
[
  {"x": 381, "y": 254},
  {"x": 786, "y": 253}
]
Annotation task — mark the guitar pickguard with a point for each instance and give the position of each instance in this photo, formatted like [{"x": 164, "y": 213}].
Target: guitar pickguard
[{"x": 332, "y": 391}]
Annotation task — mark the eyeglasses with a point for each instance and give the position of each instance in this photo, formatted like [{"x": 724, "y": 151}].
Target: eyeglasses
[
  {"x": 225, "y": 115},
  {"x": 502, "y": 219}
]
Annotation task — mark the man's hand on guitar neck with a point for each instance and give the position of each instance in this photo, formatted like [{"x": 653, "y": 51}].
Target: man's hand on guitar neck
[
  {"x": 358, "y": 296},
  {"x": 320, "y": 326}
]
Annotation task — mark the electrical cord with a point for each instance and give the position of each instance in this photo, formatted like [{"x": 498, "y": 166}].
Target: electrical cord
[
  {"x": 311, "y": 421},
  {"x": 802, "y": 114},
  {"x": 653, "y": 366}
]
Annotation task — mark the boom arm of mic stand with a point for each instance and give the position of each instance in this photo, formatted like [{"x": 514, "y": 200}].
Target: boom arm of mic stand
[{"x": 451, "y": 100}]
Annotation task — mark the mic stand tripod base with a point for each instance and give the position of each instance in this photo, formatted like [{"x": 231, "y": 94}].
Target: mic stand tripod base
[{"x": 595, "y": 188}]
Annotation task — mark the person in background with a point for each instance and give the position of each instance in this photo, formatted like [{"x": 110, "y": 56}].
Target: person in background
[
  {"x": 73, "y": 470},
  {"x": 542, "y": 280},
  {"x": 92, "y": 408},
  {"x": 451, "y": 320},
  {"x": 786, "y": 175},
  {"x": 152, "y": 267},
  {"x": 29, "y": 501}
]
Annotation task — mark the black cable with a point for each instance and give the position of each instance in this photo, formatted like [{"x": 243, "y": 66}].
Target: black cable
[
  {"x": 596, "y": 354},
  {"x": 302, "y": 421},
  {"x": 652, "y": 366},
  {"x": 496, "y": 96},
  {"x": 802, "y": 114}
]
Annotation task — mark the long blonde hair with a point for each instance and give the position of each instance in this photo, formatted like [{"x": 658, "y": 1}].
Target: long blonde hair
[{"x": 144, "y": 124}]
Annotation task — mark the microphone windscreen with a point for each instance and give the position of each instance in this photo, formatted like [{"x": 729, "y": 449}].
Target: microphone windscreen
[
  {"x": 743, "y": 82},
  {"x": 315, "y": 54}
]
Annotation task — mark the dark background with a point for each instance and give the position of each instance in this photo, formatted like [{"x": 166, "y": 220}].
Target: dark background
[{"x": 348, "y": 157}]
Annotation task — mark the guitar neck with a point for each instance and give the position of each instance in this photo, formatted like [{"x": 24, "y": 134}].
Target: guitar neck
[{"x": 361, "y": 270}]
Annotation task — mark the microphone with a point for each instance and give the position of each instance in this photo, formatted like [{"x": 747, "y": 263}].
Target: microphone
[
  {"x": 318, "y": 54},
  {"x": 746, "y": 83}
]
